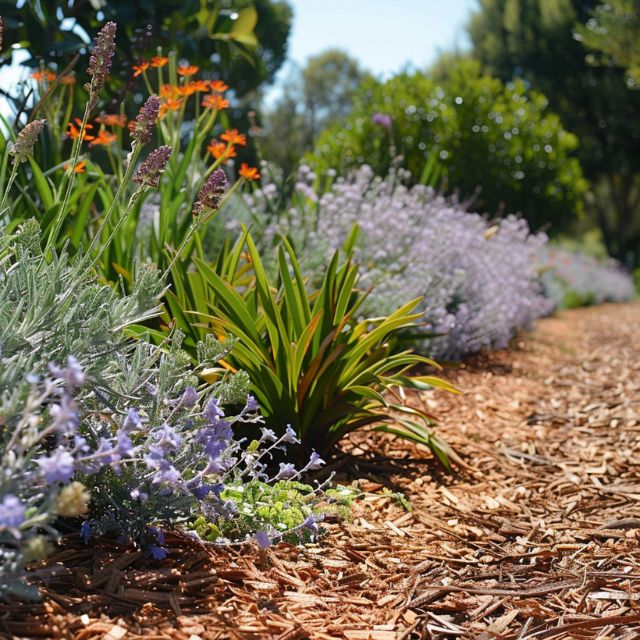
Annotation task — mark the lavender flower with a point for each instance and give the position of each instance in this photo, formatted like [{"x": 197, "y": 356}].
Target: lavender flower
[
  {"x": 65, "y": 415},
  {"x": 290, "y": 436},
  {"x": 85, "y": 531},
  {"x": 382, "y": 119},
  {"x": 72, "y": 374},
  {"x": 149, "y": 172},
  {"x": 263, "y": 540},
  {"x": 268, "y": 435},
  {"x": 287, "y": 471},
  {"x": 26, "y": 140},
  {"x": 58, "y": 467},
  {"x": 145, "y": 123},
  {"x": 12, "y": 512},
  {"x": 209, "y": 197},
  {"x": 104, "y": 47},
  {"x": 132, "y": 422},
  {"x": 315, "y": 463},
  {"x": 189, "y": 397}
]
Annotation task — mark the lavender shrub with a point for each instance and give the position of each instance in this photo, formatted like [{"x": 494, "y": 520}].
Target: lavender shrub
[
  {"x": 113, "y": 435},
  {"x": 478, "y": 280},
  {"x": 573, "y": 279}
]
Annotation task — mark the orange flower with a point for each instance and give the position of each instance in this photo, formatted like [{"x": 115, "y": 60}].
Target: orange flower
[
  {"x": 200, "y": 85},
  {"x": 68, "y": 79},
  {"x": 218, "y": 85},
  {"x": 221, "y": 150},
  {"x": 233, "y": 137},
  {"x": 104, "y": 138},
  {"x": 74, "y": 130},
  {"x": 47, "y": 75},
  {"x": 186, "y": 90},
  {"x": 139, "y": 69},
  {"x": 113, "y": 119},
  {"x": 79, "y": 168},
  {"x": 158, "y": 61},
  {"x": 250, "y": 173},
  {"x": 168, "y": 91},
  {"x": 215, "y": 101},
  {"x": 189, "y": 70},
  {"x": 169, "y": 105}
]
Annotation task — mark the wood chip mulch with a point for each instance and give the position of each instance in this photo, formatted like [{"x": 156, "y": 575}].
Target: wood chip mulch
[{"x": 536, "y": 538}]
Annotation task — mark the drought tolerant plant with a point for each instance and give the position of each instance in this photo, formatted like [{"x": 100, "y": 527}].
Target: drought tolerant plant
[
  {"x": 315, "y": 361},
  {"x": 148, "y": 217},
  {"x": 93, "y": 425},
  {"x": 477, "y": 281},
  {"x": 113, "y": 435},
  {"x": 574, "y": 279}
]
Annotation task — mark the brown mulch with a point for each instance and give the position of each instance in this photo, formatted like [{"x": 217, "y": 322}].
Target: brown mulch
[{"x": 536, "y": 538}]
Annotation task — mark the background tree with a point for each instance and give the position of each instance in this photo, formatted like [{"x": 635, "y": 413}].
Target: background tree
[
  {"x": 533, "y": 40},
  {"x": 499, "y": 144},
  {"x": 311, "y": 99},
  {"x": 247, "y": 39},
  {"x": 614, "y": 31}
]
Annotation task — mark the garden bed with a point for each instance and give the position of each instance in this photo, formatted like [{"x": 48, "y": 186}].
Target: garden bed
[{"x": 536, "y": 538}]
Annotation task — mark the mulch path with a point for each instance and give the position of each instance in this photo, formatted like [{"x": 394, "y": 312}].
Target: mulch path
[{"x": 537, "y": 537}]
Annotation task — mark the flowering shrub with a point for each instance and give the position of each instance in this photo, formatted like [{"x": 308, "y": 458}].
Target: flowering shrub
[
  {"x": 94, "y": 427},
  {"x": 573, "y": 279},
  {"x": 113, "y": 433},
  {"x": 478, "y": 281}
]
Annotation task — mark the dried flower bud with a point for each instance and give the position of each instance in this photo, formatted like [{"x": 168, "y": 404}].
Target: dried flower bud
[
  {"x": 212, "y": 190},
  {"x": 37, "y": 548},
  {"x": 144, "y": 124},
  {"x": 100, "y": 62},
  {"x": 73, "y": 500},
  {"x": 23, "y": 146},
  {"x": 151, "y": 169}
]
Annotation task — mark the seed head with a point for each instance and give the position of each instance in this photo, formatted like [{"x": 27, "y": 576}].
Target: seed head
[
  {"x": 211, "y": 192},
  {"x": 23, "y": 147},
  {"x": 104, "y": 47},
  {"x": 144, "y": 124},
  {"x": 151, "y": 169}
]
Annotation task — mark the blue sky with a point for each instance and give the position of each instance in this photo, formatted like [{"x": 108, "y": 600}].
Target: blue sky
[{"x": 384, "y": 35}]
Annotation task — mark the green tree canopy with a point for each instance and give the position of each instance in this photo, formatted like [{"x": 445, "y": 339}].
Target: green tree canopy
[
  {"x": 613, "y": 30},
  {"x": 247, "y": 39},
  {"x": 534, "y": 40},
  {"x": 498, "y": 142}
]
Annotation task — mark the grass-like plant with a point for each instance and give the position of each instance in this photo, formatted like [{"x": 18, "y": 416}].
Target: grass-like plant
[{"x": 313, "y": 361}]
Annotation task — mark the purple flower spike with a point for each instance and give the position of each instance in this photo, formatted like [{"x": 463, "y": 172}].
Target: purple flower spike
[
  {"x": 85, "y": 532},
  {"x": 189, "y": 397},
  {"x": 145, "y": 123},
  {"x": 58, "y": 467},
  {"x": 209, "y": 197},
  {"x": 132, "y": 422},
  {"x": 104, "y": 47},
  {"x": 382, "y": 119},
  {"x": 149, "y": 172},
  {"x": 11, "y": 512},
  {"x": 26, "y": 140},
  {"x": 262, "y": 539}
]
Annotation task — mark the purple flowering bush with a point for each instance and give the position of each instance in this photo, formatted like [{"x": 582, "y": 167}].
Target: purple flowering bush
[
  {"x": 573, "y": 279},
  {"x": 479, "y": 280},
  {"x": 114, "y": 436}
]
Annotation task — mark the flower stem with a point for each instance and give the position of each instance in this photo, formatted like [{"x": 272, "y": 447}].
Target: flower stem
[
  {"x": 12, "y": 178},
  {"x": 57, "y": 223}
]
